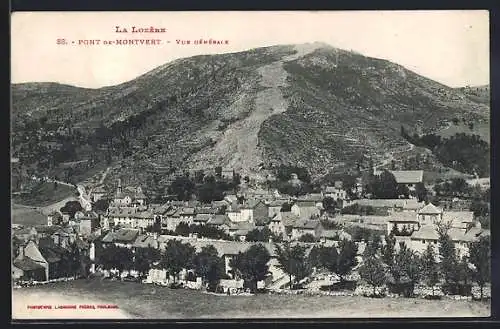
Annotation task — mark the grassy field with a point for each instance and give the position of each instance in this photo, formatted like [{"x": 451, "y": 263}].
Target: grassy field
[
  {"x": 151, "y": 302},
  {"x": 481, "y": 129},
  {"x": 44, "y": 194},
  {"x": 27, "y": 216}
]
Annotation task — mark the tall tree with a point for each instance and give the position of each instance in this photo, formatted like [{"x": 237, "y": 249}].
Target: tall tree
[
  {"x": 388, "y": 249},
  {"x": 480, "y": 257},
  {"x": 178, "y": 256},
  {"x": 448, "y": 254},
  {"x": 251, "y": 265},
  {"x": 144, "y": 259},
  {"x": 384, "y": 186},
  {"x": 329, "y": 204},
  {"x": 373, "y": 272},
  {"x": 411, "y": 265},
  {"x": 259, "y": 235},
  {"x": 421, "y": 192},
  {"x": 293, "y": 261},
  {"x": 209, "y": 266},
  {"x": 347, "y": 258},
  {"x": 430, "y": 267}
]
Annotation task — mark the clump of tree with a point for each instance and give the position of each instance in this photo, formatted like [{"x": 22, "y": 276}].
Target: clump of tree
[
  {"x": 209, "y": 266},
  {"x": 330, "y": 205},
  {"x": 71, "y": 208},
  {"x": 177, "y": 256},
  {"x": 251, "y": 265},
  {"x": 383, "y": 186},
  {"x": 182, "y": 187},
  {"x": 144, "y": 258},
  {"x": 259, "y": 235},
  {"x": 464, "y": 152},
  {"x": 293, "y": 261},
  {"x": 373, "y": 272},
  {"x": 308, "y": 237},
  {"x": 113, "y": 257}
]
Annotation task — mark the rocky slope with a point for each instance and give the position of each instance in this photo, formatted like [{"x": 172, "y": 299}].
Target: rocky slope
[{"x": 310, "y": 105}]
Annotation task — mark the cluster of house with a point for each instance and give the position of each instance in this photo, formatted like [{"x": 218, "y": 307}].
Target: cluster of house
[
  {"x": 129, "y": 217},
  {"x": 42, "y": 253},
  {"x": 417, "y": 229},
  {"x": 234, "y": 215}
]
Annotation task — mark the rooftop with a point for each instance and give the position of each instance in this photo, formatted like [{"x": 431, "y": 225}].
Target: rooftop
[
  {"x": 403, "y": 216},
  {"x": 426, "y": 232},
  {"x": 219, "y": 220},
  {"x": 307, "y": 224},
  {"x": 430, "y": 209},
  {"x": 408, "y": 176},
  {"x": 458, "y": 216},
  {"x": 381, "y": 203},
  {"x": 27, "y": 264},
  {"x": 145, "y": 241}
]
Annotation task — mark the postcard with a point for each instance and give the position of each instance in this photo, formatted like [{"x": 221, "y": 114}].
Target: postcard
[{"x": 256, "y": 165}]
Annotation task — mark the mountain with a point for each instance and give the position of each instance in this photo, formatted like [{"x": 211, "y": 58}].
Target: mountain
[
  {"x": 310, "y": 105},
  {"x": 480, "y": 94}
]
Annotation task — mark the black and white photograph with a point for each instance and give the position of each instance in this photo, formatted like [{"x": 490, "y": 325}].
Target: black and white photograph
[{"x": 250, "y": 165}]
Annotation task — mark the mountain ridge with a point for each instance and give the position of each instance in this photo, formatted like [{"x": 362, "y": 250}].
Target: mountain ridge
[{"x": 311, "y": 105}]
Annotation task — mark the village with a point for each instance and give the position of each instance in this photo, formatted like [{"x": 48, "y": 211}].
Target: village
[{"x": 341, "y": 239}]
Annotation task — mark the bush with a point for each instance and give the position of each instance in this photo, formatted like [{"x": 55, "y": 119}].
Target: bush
[
  {"x": 342, "y": 285},
  {"x": 404, "y": 289},
  {"x": 457, "y": 289}
]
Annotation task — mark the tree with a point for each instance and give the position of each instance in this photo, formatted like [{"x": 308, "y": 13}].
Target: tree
[
  {"x": 347, "y": 258},
  {"x": 480, "y": 258},
  {"x": 308, "y": 237},
  {"x": 430, "y": 268},
  {"x": 123, "y": 259},
  {"x": 449, "y": 257},
  {"x": 459, "y": 185},
  {"x": 384, "y": 186},
  {"x": 251, "y": 265},
  {"x": 329, "y": 204},
  {"x": 182, "y": 187},
  {"x": 71, "y": 208},
  {"x": 328, "y": 258},
  {"x": 286, "y": 207},
  {"x": 199, "y": 175},
  {"x": 144, "y": 259},
  {"x": 293, "y": 261},
  {"x": 403, "y": 190},
  {"x": 101, "y": 205},
  {"x": 209, "y": 266},
  {"x": 388, "y": 249},
  {"x": 372, "y": 271},
  {"x": 480, "y": 208},
  {"x": 259, "y": 235},
  {"x": 183, "y": 229},
  {"x": 421, "y": 192},
  {"x": 411, "y": 265},
  {"x": 178, "y": 256}
]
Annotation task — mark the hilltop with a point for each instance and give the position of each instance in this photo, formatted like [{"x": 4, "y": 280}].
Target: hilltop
[{"x": 310, "y": 105}]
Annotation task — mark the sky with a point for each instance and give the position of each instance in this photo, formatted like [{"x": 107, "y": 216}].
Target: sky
[{"x": 451, "y": 47}]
